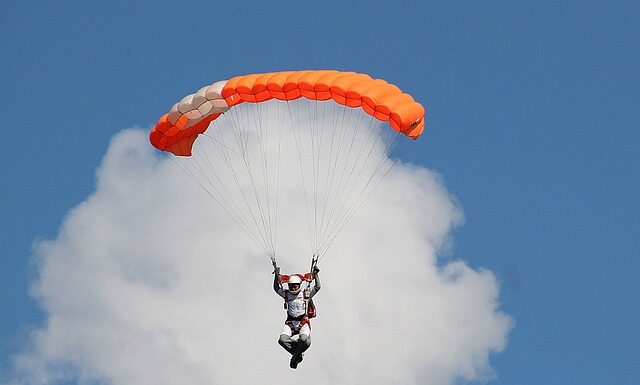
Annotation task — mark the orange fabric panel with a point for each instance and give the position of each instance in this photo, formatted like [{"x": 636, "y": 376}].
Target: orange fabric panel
[
  {"x": 157, "y": 136},
  {"x": 182, "y": 122},
  {"x": 407, "y": 116},
  {"x": 376, "y": 93},
  {"x": 307, "y": 83},
  {"x": 260, "y": 90},
  {"x": 290, "y": 86},
  {"x": 229, "y": 92},
  {"x": 165, "y": 136},
  {"x": 340, "y": 85},
  {"x": 357, "y": 89},
  {"x": 385, "y": 105},
  {"x": 244, "y": 87},
  {"x": 276, "y": 82},
  {"x": 183, "y": 147},
  {"x": 322, "y": 87}
]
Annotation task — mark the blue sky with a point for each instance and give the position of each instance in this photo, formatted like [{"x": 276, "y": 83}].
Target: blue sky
[{"x": 533, "y": 123}]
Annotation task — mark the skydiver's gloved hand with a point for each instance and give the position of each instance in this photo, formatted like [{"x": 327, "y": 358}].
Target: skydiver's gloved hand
[{"x": 316, "y": 269}]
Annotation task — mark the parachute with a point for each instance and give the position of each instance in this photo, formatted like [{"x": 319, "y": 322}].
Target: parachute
[{"x": 340, "y": 129}]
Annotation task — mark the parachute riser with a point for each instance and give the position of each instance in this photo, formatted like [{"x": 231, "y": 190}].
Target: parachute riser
[{"x": 314, "y": 263}]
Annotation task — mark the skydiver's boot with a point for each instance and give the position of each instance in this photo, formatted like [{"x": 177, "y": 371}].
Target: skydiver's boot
[
  {"x": 303, "y": 343},
  {"x": 286, "y": 342},
  {"x": 293, "y": 364}
]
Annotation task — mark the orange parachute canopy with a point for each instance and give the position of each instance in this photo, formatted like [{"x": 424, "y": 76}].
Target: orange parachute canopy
[{"x": 176, "y": 131}]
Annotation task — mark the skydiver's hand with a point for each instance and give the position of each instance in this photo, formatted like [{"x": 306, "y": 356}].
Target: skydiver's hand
[
  {"x": 316, "y": 270},
  {"x": 276, "y": 270}
]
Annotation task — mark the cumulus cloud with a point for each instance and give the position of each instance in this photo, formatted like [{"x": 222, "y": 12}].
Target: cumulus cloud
[{"x": 148, "y": 282}]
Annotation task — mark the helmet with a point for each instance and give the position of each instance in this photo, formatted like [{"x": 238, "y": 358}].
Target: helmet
[{"x": 294, "y": 280}]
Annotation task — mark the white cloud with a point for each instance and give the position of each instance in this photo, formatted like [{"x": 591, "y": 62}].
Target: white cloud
[{"x": 149, "y": 283}]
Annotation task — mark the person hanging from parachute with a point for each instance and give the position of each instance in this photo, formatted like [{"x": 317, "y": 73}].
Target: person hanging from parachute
[
  {"x": 236, "y": 137},
  {"x": 300, "y": 309}
]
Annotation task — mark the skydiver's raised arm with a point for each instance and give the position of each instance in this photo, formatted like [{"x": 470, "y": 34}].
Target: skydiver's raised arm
[
  {"x": 277, "y": 286},
  {"x": 317, "y": 286}
]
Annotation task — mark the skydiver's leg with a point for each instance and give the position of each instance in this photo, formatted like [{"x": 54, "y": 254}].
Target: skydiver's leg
[
  {"x": 304, "y": 340},
  {"x": 302, "y": 344},
  {"x": 285, "y": 339}
]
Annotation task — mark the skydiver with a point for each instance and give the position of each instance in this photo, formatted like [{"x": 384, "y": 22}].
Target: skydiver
[{"x": 299, "y": 309}]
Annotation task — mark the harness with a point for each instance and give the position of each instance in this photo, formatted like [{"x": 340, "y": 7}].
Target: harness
[
  {"x": 309, "y": 307},
  {"x": 301, "y": 321}
]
